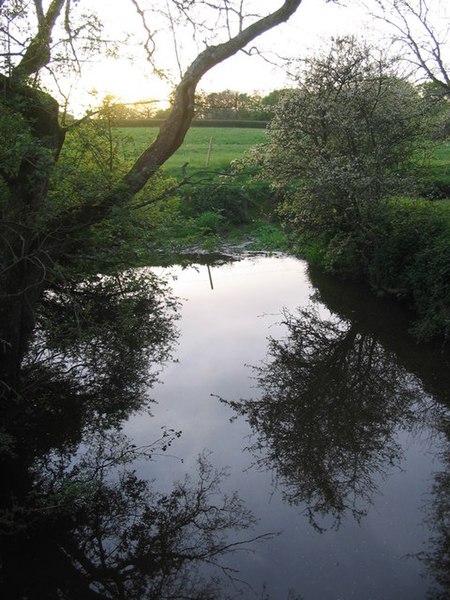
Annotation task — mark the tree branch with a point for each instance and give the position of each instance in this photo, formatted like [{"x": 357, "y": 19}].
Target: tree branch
[
  {"x": 172, "y": 132},
  {"x": 425, "y": 46},
  {"x": 37, "y": 54}
]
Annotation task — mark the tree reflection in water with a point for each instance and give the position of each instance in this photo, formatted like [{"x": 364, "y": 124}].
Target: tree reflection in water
[
  {"x": 76, "y": 521},
  {"x": 437, "y": 556},
  {"x": 332, "y": 400}
]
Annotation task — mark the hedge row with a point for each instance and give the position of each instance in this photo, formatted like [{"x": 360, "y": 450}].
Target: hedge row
[
  {"x": 412, "y": 259},
  {"x": 196, "y": 123}
]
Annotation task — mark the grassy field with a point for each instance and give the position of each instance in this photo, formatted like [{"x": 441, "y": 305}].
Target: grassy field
[
  {"x": 228, "y": 143},
  {"x": 434, "y": 167}
]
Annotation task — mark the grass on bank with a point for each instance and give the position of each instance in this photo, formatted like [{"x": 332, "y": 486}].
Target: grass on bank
[
  {"x": 410, "y": 257},
  {"x": 227, "y": 144},
  {"x": 434, "y": 168}
]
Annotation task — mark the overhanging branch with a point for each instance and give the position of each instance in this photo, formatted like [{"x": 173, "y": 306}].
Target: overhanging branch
[
  {"x": 37, "y": 54},
  {"x": 174, "y": 129}
]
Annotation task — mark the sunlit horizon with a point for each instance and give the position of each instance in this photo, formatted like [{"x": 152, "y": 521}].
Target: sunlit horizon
[{"x": 130, "y": 79}]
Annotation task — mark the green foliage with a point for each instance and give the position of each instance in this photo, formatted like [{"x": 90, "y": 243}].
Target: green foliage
[
  {"x": 269, "y": 237},
  {"x": 438, "y": 109},
  {"x": 345, "y": 137},
  {"x": 209, "y": 221},
  {"x": 89, "y": 166},
  {"x": 406, "y": 255},
  {"x": 166, "y": 230},
  {"x": 24, "y": 157},
  {"x": 15, "y": 141},
  {"x": 219, "y": 196},
  {"x": 411, "y": 259}
]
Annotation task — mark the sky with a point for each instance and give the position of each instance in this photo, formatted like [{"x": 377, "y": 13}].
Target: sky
[
  {"x": 311, "y": 27},
  {"x": 129, "y": 81}
]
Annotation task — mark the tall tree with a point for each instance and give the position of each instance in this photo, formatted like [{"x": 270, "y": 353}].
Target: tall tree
[{"x": 36, "y": 36}]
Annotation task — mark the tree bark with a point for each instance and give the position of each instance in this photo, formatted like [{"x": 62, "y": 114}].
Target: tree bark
[
  {"x": 37, "y": 54},
  {"x": 25, "y": 260}
]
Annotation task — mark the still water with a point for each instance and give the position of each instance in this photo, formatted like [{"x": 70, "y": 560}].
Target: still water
[
  {"x": 283, "y": 438},
  {"x": 331, "y": 422}
]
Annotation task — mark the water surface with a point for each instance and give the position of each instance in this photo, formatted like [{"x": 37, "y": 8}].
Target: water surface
[{"x": 331, "y": 422}]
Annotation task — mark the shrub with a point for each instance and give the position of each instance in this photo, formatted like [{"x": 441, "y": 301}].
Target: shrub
[
  {"x": 339, "y": 144},
  {"x": 409, "y": 257},
  {"x": 209, "y": 222},
  {"x": 219, "y": 196}
]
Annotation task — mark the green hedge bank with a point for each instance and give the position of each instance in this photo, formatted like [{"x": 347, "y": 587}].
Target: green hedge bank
[
  {"x": 407, "y": 255},
  {"x": 412, "y": 259}
]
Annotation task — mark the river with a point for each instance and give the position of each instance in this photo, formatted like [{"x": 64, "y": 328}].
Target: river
[
  {"x": 351, "y": 511},
  {"x": 293, "y": 444}
]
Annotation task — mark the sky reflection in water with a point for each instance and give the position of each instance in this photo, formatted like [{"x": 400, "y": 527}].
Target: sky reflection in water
[{"x": 225, "y": 330}]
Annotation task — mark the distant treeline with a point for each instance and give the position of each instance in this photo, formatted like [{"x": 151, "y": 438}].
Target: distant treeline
[
  {"x": 196, "y": 123},
  {"x": 220, "y": 109}
]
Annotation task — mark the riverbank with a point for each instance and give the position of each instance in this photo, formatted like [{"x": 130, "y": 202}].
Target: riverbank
[
  {"x": 407, "y": 257},
  {"x": 403, "y": 252}
]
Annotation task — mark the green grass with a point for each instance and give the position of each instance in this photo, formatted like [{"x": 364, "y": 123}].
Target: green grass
[
  {"x": 434, "y": 167},
  {"x": 228, "y": 144},
  {"x": 441, "y": 154}
]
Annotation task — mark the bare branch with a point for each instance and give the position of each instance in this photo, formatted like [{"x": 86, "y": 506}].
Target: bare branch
[
  {"x": 149, "y": 43},
  {"x": 413, "y": 27},
  {"x": 175, "y": 43}
]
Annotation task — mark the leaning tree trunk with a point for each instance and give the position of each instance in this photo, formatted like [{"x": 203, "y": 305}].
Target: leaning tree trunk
[{"x": 172, "y": 132}]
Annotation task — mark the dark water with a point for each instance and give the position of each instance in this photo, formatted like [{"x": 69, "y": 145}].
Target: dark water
[
  {"x": 339, "y": 442},
  {"x": 313, "y": 402}
]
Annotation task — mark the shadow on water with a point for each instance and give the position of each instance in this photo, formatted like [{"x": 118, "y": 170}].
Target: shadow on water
[{"x": 75, "y": 520}]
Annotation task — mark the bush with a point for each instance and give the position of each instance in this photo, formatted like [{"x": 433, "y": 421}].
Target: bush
[
  {"x": 406, "y": 254},
  {"x": 339, "y": 144},
  {"x": 228, "y": 199},
  {"x": 209, "y": 222},
  {"x": 411, "y": 259}
]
